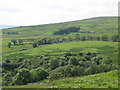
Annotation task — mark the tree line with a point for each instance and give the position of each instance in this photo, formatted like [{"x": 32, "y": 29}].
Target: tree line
[{"x": 77, "y": 37}]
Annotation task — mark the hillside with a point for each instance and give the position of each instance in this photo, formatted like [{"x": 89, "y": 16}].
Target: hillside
[
  {"x": 101, "y": 25},
  {"x": 62, "y": 52},
  {"x": 107, "y": 48},
  {"x": 102, "y": 80}
]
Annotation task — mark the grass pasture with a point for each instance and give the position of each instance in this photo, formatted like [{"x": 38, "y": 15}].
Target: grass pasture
[{"x": 104, "y": 48}]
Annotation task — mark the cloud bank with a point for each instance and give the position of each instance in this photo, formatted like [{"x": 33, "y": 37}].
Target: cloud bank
[{"x": 34, "y": 12}]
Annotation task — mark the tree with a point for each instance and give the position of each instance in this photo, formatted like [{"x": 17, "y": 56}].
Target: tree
[
  {"x": 7, "y": 79},
  {"x": 39, "y": 42},
  {"x": 80, "y": 54},
  {"x": 9, "y": 45},
  {"x": 90, "y": 38},
  {"x": 77, "y": 71},
  {"x": 77, "y": 37},
  {"x": 98, "y": 38},
  {"x": 22, "y": 77},
  {"x": 7, "y": 61},
  {"x": 91, "y": 70},
  {"x": 9, "y": 66},
  {"x": 70, "y": 39},
  {"x": 73, "y": 61},
  {"x": 54, "y": 76},
  {"x": 64, "y": 71},
  {"x": 14, "y": 41},
  {"x": 83, "y": 38},
  {"x": 107, "y": 61},
  {"x": 67, "y": 54},
  {"x": 38, "y": 74},
  {"x": 20, "y": 41},
  {"x": 34, "y": 44},
  {"x": 54, "y": 63},
  {"x": 105, "y": 38},
  {"x": 115, "y": 38}
]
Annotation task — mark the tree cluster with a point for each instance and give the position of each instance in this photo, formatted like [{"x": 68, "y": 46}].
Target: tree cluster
[
  {"x": 67, "y": 30},
  {"x": 10, "y": 33},
  {"x": 77, "y": 37},
  {"x": 15, "y": 42},
  {"x": 32, "y": 69},
  {"x": 42, "y": 42}
]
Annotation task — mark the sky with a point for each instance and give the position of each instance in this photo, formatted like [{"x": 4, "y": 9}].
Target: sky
[{"x": 35, "y": 12}]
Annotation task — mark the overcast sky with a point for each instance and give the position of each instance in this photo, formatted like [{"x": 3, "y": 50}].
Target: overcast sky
[{"x": 34, "y": 12}]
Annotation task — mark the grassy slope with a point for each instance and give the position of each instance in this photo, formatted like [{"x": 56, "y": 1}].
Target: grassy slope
[
  {"x": 102, "y": 80},
  {"x": 101, "y": 25},
  {"x": 74, "y": 47}
]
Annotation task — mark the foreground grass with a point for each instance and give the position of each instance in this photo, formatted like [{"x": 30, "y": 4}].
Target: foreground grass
[{"x": 102, "y": 80}]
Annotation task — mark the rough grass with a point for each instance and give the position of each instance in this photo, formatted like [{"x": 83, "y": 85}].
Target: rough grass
[{"x": 101, "y": 80}]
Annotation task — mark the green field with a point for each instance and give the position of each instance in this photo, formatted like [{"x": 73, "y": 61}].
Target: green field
[{"x": 74, "y": 47}]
